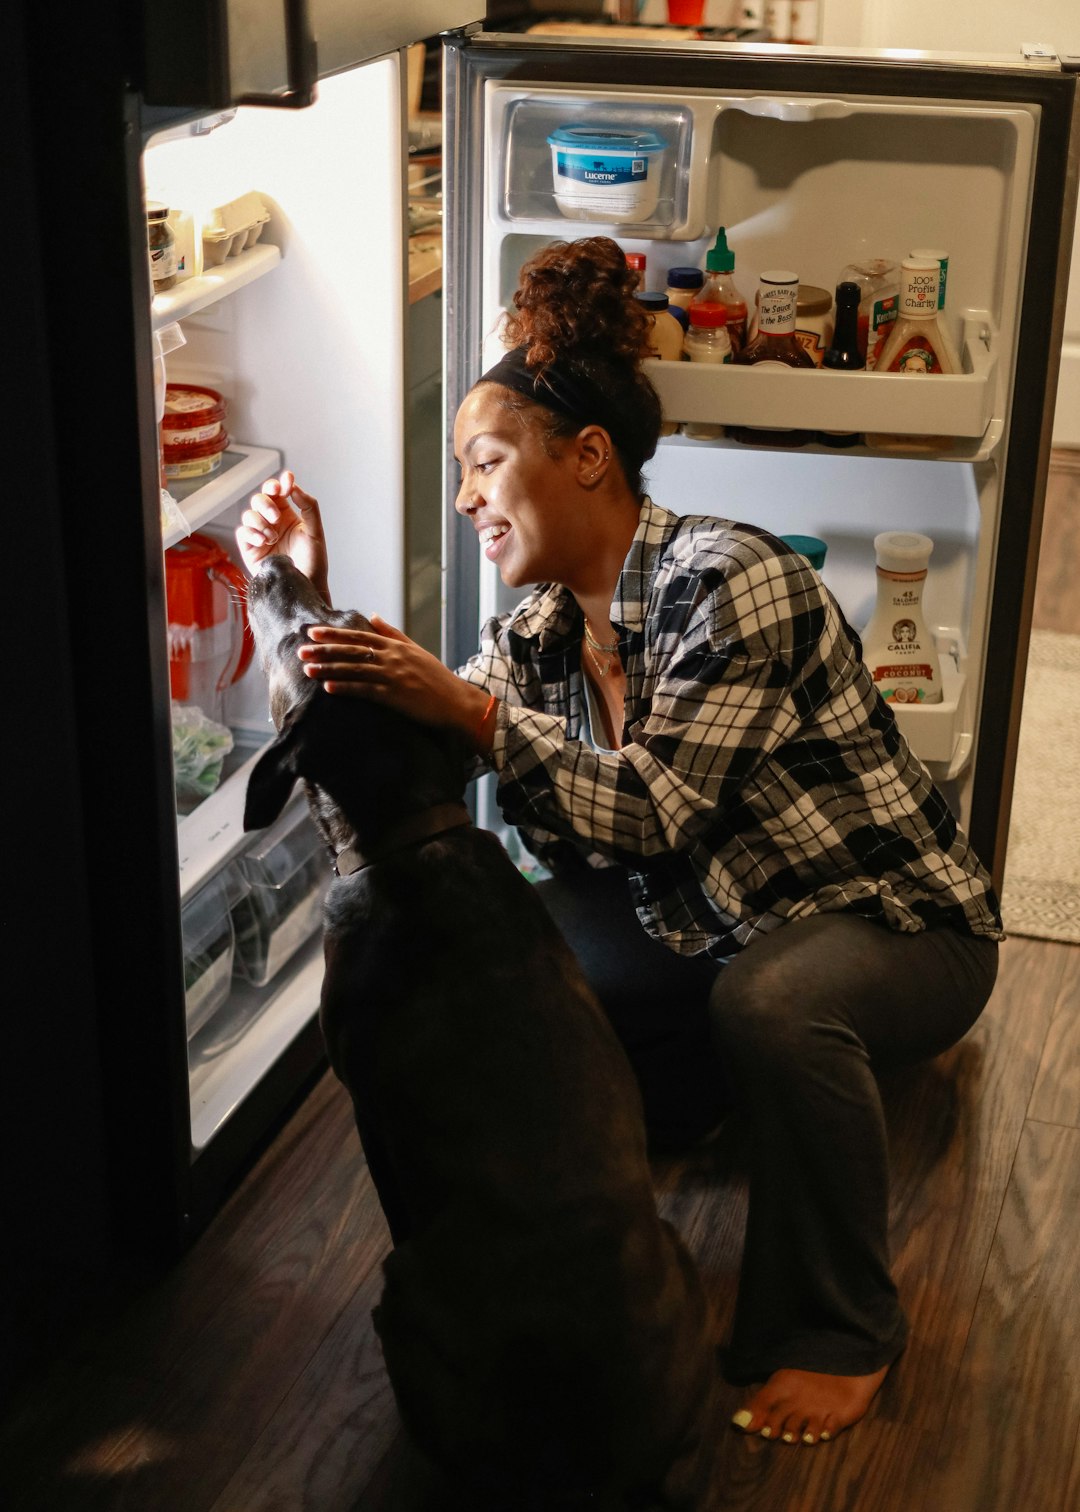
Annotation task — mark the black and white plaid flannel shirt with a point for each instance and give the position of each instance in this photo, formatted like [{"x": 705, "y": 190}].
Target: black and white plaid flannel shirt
[{"x": 761, "y": 777}]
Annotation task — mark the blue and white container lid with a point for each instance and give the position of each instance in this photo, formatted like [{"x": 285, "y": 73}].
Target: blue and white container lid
[{"x": 601, "y": 139}]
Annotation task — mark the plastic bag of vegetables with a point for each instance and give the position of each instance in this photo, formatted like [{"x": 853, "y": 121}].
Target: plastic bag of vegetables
[{"x": 200, "y": 746}]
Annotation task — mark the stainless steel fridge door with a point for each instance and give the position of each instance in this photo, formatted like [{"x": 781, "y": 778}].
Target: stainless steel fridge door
[
  {"x": 213, "y": 54},
  {"x": 1046, "y": 90}
]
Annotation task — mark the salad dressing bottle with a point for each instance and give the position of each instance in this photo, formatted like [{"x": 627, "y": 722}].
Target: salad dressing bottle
[{"x": 917, "y": 346}]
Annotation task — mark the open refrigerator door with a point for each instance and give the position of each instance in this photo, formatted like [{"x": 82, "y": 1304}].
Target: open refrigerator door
[
  {"x": 817, "y": 164},
  {"x": 284, "y": 319}
]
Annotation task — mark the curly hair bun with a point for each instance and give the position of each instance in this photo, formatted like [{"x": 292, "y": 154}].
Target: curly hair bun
[{"x": 575, "y": 300}]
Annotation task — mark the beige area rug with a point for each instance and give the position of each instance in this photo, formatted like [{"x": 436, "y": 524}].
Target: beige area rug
[{"x": 1041, "y": 892}]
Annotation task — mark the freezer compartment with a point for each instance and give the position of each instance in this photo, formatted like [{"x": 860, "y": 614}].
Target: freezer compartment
[
  {"x": 947, "y": 405},
  {"x": 286, "y": 873},
  {"x": 206, "y": 926}
]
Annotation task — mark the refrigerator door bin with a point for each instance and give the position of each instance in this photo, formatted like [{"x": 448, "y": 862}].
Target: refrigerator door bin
[
  {"x": 286, "y": 872},
  {"x": 613, "y": 160},
  {"x": 959, "y": 404},
  {"x": 206, "y": 928},
  {"x": 939, "y": 733}
]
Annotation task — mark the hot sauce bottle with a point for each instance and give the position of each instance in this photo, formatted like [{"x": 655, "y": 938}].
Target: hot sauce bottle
[{"x": 720, "y": 288}]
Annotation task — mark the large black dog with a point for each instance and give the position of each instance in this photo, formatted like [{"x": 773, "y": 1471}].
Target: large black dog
[{"x": 545, "y": 1333}]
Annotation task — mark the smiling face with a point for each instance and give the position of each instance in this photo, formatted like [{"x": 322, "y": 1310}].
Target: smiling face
[{"x": 522, "y": 492}]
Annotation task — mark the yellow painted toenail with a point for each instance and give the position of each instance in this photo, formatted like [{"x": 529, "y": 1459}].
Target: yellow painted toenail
[
  {"x": 743, "y": 1418},
  {"x": 766, "y": 1432},
  {"x": 825, "y": 1434},
  {"x": 808, "y": 1438},
  {"x": 789, "y": 1438}
]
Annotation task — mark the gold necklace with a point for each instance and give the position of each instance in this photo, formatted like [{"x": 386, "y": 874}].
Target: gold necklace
[
  {"x": 593, "y": 646},
  {"x": 602, "y": 668},
  {"x": 596, "y": 645}
]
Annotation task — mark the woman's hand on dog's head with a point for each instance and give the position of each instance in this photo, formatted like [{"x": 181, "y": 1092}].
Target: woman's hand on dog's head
[
  {"x": 283, "y": 520},
  {"x": 385, "y": 665}
]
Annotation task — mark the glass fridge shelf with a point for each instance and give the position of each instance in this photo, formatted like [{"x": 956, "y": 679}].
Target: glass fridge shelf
[
  {"x": 242, "y": 470},
  {"x": 214, "y": 283}
]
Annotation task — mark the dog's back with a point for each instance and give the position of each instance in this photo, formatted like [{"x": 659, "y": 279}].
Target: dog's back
[{"x": 539, "y": 1320}]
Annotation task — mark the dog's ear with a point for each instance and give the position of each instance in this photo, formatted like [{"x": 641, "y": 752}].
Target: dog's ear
[{"x": 272, "y": 780}]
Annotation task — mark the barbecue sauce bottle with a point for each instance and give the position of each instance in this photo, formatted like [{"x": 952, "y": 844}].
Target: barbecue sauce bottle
[{"x": 775, "y": 344}]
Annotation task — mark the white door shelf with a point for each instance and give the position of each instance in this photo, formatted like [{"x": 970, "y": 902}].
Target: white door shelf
[
  {"x": 948, "y": 405},
  {"x": 243, "y": 469},
  {"x": 938, "y": 732},
  {"x": 206, "y": 288}
]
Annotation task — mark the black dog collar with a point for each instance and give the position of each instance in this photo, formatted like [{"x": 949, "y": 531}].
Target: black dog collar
[{"x": 423, "y": 826}]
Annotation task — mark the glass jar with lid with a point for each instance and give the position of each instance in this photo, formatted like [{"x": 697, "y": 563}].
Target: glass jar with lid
[{"x": 161, "y": 245}]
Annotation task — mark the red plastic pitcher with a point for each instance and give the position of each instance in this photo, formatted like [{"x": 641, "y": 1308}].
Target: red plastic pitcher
[{"x": 210, "y": 641}]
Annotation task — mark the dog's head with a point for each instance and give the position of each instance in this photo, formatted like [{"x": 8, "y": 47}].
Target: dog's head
[
  {"x": 282, "y": 604},
  {"x": 369, "y": 760}
]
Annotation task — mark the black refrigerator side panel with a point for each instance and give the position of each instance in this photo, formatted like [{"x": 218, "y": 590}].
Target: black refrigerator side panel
[
  {"x": 1024, "y": 487},
  {"x": 52, "y": 1177},
  {"x": 472, "y": 61},
  {"x": 111, "y": 890}
]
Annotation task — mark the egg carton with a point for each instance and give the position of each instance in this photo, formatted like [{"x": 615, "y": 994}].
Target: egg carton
[{"x": 230, "y": 228}]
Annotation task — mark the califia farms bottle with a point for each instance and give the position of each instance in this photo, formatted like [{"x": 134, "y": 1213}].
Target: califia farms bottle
[{"x": 897, "y": 645}]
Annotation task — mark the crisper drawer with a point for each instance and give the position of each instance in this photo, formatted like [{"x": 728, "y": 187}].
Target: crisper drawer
[
  {"x": 206, "y": 927},
  {"x": 285, "y": 875}
]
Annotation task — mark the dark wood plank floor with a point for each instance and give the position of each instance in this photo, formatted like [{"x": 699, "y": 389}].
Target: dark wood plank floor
[{"x": 249, "y": 1379}]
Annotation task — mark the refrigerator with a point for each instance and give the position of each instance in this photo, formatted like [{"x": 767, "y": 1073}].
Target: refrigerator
[
  {"x": 162, "y": 1050},
  {"x": 812, "y": 161}
]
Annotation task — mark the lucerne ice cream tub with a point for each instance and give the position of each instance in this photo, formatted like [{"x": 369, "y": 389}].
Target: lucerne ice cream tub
[{"x": 606, "y": 174}]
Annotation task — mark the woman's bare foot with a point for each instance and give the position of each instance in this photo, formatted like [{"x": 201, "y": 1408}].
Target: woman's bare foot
[{"x": 803, "y": 1406}]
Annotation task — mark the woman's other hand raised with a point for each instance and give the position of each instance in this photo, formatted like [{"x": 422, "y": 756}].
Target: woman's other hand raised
[{"x": 283, "y": 520}]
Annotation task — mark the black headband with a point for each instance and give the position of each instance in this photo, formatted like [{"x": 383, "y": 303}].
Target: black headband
[{"x": 568, "y": 391}]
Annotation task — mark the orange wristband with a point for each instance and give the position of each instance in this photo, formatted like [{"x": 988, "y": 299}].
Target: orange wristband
[{"x": 492, "y": 701}]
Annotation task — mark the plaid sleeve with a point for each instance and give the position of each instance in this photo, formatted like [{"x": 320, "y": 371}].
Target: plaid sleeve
[{"x": 729, "y": 663}]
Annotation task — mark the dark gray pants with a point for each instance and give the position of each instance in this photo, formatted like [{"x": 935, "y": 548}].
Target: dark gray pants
[{"x": 791, "y": 1031}]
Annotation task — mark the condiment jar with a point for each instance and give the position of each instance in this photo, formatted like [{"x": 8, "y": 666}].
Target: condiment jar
[
  {"x": 665, "y": 337},
  {"x": 707, "y": 340},
  {"x": 667, "y": 334},
  {"x": 161, "y": 245},
  {"x": 683, "y": 284},
  {"x": 814, "y": 320},
  {"x": 636, "y": 262}
]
